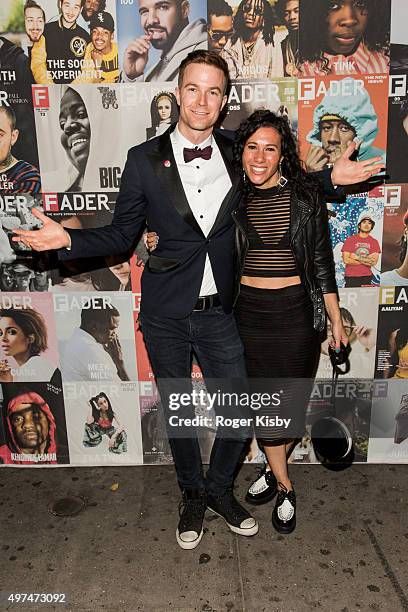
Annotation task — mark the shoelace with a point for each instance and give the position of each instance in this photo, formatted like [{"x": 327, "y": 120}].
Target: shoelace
[{"x": 284, "y": 493}]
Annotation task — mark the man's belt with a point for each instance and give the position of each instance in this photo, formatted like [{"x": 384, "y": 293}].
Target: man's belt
[{"x": 207, "y": 301}]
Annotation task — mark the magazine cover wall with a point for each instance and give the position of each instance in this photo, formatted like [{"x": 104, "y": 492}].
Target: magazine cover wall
[{"x": 73, "y": 101}]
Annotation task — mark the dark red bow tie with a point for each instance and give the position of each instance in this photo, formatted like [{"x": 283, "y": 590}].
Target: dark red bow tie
[{"x": 190, "y": 154}]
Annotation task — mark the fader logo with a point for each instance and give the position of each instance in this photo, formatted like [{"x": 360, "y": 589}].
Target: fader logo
[
  {"x": 40, "y": 97},
  {"x": 50, "y": 202}
]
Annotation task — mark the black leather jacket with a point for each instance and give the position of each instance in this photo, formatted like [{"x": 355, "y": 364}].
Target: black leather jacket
[{"x": 309, "y": 239}]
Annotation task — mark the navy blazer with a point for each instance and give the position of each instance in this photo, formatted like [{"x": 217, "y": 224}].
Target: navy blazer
[{"x": 151, "y": 192}]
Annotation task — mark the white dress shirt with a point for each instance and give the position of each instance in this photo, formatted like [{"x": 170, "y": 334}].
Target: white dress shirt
[{"x": 206, "y": 182}]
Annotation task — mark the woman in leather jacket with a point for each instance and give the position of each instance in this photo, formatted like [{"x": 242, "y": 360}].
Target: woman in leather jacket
[{"x": 286, "y": 282}]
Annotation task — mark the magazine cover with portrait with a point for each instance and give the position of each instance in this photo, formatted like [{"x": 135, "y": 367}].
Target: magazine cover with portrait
[
  {"x": 389, "y": 423},
  {"x": 392, "y": 340},
  {"x": 103, "y": 423},
  {"x": 21, "y": 269},
  {"x": 397, "y": 147},
  {"x": 356, "y": 235},
  {"x": 81, "y": 211},
  {"x": 350, "y": 402},
  {"x": 32, "y": 424},
  {"x": 399, "y": 36},
  {"x": 334, "y": 111},
  {"x": 95, "y": 336},
  {"x": 16, "y": 116},
  {"x": 257, "y": 39},
  {"x": 153, "y": 43},
  {"x": 359, "y": 311},
  {"x": 394, "y": 265},
  {"x": 277, "y": 95},
  {"x": 345, "y": 37},
  {"x": 85, "y": 131},
  {"x": 28, "y": 341},
  {"x": 72, "y": 42}
]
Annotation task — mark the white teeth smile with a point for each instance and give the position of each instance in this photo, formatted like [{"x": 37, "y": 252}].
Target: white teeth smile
[
  {"x": 258, "y": 170},
  {"x": 78, "y": 141}
]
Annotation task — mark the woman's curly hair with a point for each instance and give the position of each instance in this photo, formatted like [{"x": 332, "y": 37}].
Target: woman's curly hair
[
  {"x": 313, "y": 28},
  {"x": 292, "y": 167},
  {"x": 269, "y": 22}
]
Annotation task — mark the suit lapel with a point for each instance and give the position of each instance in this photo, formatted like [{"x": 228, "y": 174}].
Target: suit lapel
[{"x": 165, "y": 168}]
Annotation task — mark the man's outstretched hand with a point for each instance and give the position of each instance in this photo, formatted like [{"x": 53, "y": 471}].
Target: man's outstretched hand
[
  {"x": 51, "y": 236},
  {"x": 347, "y": 172}
]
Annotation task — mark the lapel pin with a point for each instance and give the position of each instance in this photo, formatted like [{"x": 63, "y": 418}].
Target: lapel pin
[{"x": 167, "y": 163}]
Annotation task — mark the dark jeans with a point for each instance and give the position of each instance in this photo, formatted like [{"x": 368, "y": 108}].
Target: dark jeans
[{"x": 213, "y": 337}]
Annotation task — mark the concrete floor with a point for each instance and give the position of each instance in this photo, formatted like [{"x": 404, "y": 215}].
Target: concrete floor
[{"x": 349, "y": 551}]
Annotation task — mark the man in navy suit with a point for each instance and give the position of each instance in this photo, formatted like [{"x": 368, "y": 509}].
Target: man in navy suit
[{"x": 183, "y": 185}]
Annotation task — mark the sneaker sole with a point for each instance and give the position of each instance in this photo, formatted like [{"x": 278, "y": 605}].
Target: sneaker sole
[
  {"x": 188, "y": 545},
  {"x": 281, "y": 529},
  {"x": 245, "y": 532},
  {"x": 255, "y": 501}
]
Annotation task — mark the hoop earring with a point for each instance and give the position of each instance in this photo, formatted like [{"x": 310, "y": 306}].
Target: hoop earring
[
  {"x": 244, "y": 178},
  {"x": 282, "y": 179}
]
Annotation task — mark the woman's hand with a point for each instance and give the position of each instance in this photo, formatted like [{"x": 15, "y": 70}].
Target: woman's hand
[
  {"x": 151, "y": 240},
  {"x": 339, "y": 334}
]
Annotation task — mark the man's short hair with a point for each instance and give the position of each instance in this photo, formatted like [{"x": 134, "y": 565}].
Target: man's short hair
[
  {"x": 9, "y": 112},
  {"x": 61, "y": 1},
  {"x": 208, "y": 58},
  {"x": 33, "y": 4},
  {"x": 99, "y": 314},
  {"x": 218, "y": 8}
]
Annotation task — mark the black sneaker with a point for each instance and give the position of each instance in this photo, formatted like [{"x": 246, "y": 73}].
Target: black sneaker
[
  {"x": 284, "y": 513},
  {"x": 192, "y": 510},
  {"x": 237, "y": 518},
  {"x": 263, "y": 489}
]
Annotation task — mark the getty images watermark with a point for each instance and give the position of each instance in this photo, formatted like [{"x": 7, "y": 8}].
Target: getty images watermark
[{"x": 221, "y": 399}]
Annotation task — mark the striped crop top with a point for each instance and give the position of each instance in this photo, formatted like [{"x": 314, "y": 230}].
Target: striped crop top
[{"x": 268, "y": 217}]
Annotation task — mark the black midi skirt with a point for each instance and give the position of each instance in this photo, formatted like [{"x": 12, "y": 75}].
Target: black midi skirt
[{"x": 281, "y": 352}]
